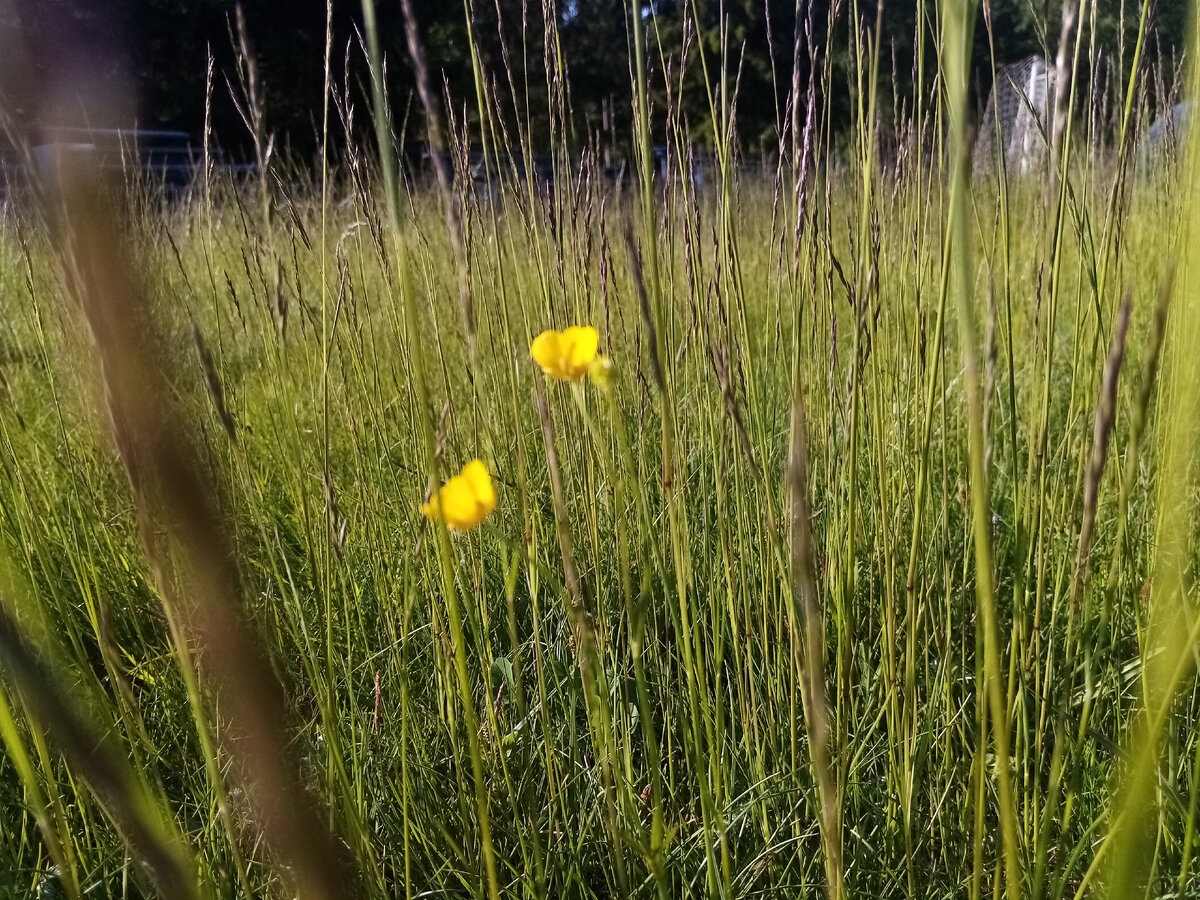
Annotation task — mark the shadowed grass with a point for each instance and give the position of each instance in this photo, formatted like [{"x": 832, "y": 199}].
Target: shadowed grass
[{"x": 842, "y": 586}]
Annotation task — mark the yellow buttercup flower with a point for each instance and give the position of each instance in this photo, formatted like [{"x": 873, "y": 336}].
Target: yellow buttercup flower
[
  {"x": 566, "y": 354},
  {"x": 465, "y": 500}
]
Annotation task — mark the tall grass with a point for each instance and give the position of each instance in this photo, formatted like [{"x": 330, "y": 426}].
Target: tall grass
[{"x": 869, "y": 573}]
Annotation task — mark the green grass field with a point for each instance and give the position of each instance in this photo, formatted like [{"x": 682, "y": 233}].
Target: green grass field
[{"x": 868, "y": 572}]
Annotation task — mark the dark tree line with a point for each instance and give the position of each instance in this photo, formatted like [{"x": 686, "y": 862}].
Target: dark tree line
[{"x": 162, "y": 48}]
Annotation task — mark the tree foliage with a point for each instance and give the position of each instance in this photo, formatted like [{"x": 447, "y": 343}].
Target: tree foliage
[{"x": 724, "y": 48}]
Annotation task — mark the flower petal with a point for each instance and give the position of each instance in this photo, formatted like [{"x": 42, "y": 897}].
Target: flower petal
[
  {"x": 465, "y": 500},
  {"x": 582, "y": 343},
  {"x": 547, "y": 351},
  {"x": 458, "y": 504},
  {"x": 476, "y": 474}
]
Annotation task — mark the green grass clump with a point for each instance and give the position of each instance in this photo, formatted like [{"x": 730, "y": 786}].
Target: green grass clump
[{"x": 868, "y": 574}]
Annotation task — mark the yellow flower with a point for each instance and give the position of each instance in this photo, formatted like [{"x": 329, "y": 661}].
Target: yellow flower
[
  {"x": 465, "y": 500},
  {"x": 566, "y": 354}
]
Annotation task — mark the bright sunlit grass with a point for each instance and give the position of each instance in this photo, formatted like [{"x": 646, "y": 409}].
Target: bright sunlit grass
[{"x": 855, "y": 557}]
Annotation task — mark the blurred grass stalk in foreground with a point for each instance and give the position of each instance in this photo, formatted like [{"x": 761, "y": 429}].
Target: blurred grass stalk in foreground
[
  {"x": 187, "y": 540},
  {"x": 818, "y": 614}
]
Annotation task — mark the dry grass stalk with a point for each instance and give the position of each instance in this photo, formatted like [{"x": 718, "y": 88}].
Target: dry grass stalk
[
  {"x": 1106, "y": 410},
  {"x": 188, "y": 540}
]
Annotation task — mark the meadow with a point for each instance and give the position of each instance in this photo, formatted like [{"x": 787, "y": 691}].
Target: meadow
[{"x": 859, "y": 563}]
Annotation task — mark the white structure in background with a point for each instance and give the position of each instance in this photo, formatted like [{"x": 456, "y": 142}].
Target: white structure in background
[
  {"x": 1164, "y": 139},
  {"x": 1017, "y": 119}
]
